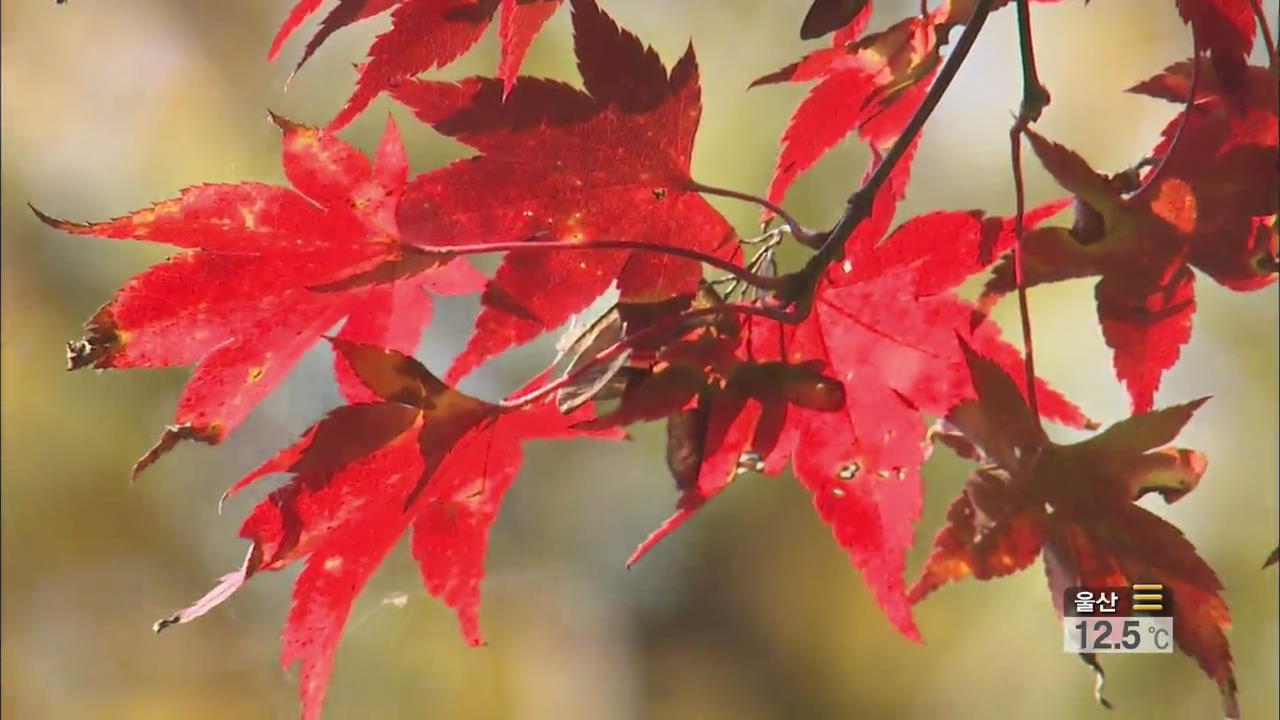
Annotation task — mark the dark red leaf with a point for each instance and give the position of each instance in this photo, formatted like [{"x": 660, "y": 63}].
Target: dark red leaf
[
  {"x": 1225, "y": 28},
  {"x": 1075, "y": 503},
  {"x": 827, "y": 16},
  {"x": 872, "y": 85},
  {"x": 1209, "y": 208}
]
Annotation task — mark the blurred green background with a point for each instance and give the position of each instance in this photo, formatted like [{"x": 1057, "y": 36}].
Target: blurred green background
[{"x": 750, "y": 612}]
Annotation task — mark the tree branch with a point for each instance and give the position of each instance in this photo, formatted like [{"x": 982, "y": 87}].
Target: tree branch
[
  {"x": 657, "y": 328},
  {"x": 1034, "y": 100},
  {"x": 802, "y": 283},
  {"x": 1186, "y": 115},
  {"x": 1035, "y": 96},
  {"x": 1019, "y": 280}
]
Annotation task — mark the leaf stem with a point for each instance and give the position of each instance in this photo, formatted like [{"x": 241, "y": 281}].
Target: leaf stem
[
  {"x": 803, "y": 282},
  {"x": 1034, "y": 100},
  {"x": 763, "y": 258},
  {"x": 797, "y": 231},
  {"x": 1035, "y": 96},
  {"x": 751, "y": 278},
  {"x": 1019, "y": 279},
  {"x": 1152, "y": 176}
]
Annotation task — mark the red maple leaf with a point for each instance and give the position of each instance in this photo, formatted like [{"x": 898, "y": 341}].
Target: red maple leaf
[
  {"x": 248, "y": 296},
  {"x": 424, "y": 34},
  {"x": 423, "y": 455},
  {"x": 1225, "y": 29},
  {"x": 561, "y": 164},
  {"x": 1210, "y": 205},
  {"x": 1230, "y": 167},
  {"x": 1075, "y": 504},
  {"x": 343, "y": 14},
  {"x": 872, "y": 84},
  {"x": 883, "y": 327}
]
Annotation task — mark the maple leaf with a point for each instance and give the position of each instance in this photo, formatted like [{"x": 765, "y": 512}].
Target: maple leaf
[
  {"x": 1211, "y": 206},
  {"x": 721, "y": 406},
  {"x": 423, "y": 455},
  {"x": 871, "y": 84},
  {"x": 1225, "y": 28},
  {"x": 883, "y": 328},
  {"x": 241, "y": 303},
  {"x": 1074, "y": 504},
  {"x": 619, "y": 169},
  {"x": 424, "y": 34},
  {"x": 1231, "y": 170},
  {"x": 343, "y": 14}
]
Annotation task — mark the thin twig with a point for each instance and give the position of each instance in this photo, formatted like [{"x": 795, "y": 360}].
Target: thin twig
[
  {"x": 760, "y": 281},
  {"x": 766, "y": 237},
  {"x": 631, "y": 340},
  {"x": 1034, "y": 99},
  {"x": 1182, "y": 122},
  {"x": 1019, "y": 280},
  {"x": 804, "y": 281},
  {"x": 762, "y": 256},
  {"x": 797, "y": 231},
  {"x": 1268, "y": 40}
]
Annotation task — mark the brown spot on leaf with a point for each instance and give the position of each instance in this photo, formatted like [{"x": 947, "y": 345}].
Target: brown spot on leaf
[{"x": 101, "y": 340}]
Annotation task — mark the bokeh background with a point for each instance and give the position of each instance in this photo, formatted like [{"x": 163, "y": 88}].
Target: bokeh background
[{"x": 750, "y": 612}]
